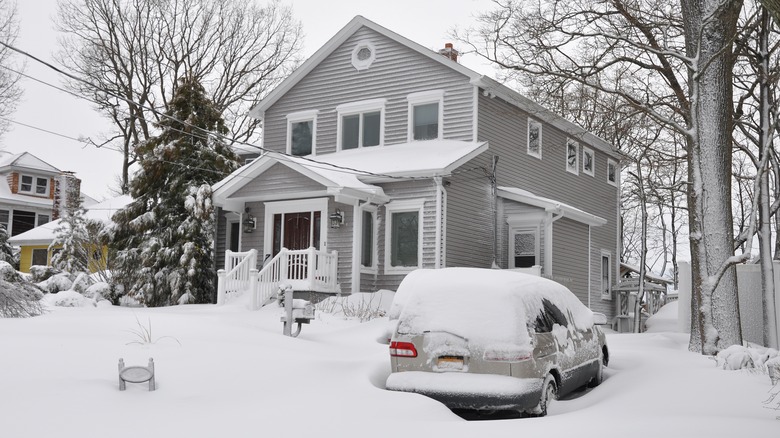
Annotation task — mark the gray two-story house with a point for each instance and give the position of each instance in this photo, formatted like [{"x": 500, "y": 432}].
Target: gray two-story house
[{"x": 381, "y": 156}]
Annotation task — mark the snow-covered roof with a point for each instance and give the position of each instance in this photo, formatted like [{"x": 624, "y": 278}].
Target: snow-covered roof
[
  {"x": 491, "y": 87},
  {"x": 550, "y": 205},
  {"x": 27, "y": 161},
  {"x": 627, "y": 267},
  {"x": 44, "y": 234},
  {"x": 352, "y": 172}
]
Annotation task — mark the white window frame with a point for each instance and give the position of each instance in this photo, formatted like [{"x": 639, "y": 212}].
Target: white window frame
[
  {"x": 605, "y": 296},
  {"x": 585, "y": 152},
  {"x": 34, "y": 185},
  {"x": 404, "y": 206},
  {"x": 362, "y": 107},
  {"x": 513, "y": 231},
  {"x": 374, "y": 268},
  {"x": 424, "y": 98},
  {"x": 572, "y": 168},
  {"x": 282, "y": 207},
  {"x": 363, "y": 64},
  {"x": 613, "y": 163},
  {"x": 298, "y": 117},
  {"x": 528, "y": 139}
]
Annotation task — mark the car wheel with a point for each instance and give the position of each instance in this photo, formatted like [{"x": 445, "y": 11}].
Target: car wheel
[{"x": 549, "y": 393}]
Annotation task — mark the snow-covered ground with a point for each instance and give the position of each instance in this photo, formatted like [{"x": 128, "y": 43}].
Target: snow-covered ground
[{"x": 227, "y": 371}]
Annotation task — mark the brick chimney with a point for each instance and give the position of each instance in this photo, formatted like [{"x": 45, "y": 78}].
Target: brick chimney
[
  {"x": 67, "y": 193},
  {"x": 449, "y": 52}
]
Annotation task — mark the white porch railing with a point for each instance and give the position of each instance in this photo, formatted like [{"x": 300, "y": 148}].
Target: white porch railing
[
  {"x": 237, "y": 275},
  {"x": 307, "y": 269}
]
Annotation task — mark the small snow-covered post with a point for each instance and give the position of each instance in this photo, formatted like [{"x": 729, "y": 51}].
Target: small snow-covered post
[
  {"x": 253, "y": 286},
  {"x": 311, "y": 263},
  {"x": 221, "y": 277},
  {"x": 288, "y": 308}
]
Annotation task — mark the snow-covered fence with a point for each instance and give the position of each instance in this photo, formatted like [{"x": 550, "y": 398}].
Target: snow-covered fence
[
  {"x": 307, "y": 269},
  {"x": 236, "y": 276}
]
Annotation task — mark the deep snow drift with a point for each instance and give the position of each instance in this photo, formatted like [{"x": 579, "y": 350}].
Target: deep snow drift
[{"x": 228, "y": 371}]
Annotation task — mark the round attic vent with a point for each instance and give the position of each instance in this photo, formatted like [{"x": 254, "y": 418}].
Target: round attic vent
[{"x": 363, "y": 55}]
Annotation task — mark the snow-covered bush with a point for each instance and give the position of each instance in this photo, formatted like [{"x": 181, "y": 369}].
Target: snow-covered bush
[
  {"x": 40, "y": 273},
  {"x": 69, "y": 298},
  {"x": 361, "y": 306},
  {"x": 738, "y": 357},
  {"x": 98, "y": 291},
  {"x": 18, "y": 298},
  {"x": 56, "y": 283}
]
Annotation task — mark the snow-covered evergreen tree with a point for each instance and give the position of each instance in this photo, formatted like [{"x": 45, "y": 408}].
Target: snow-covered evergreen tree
[
  {"x": 164, "y": 238},
  {"x": 6, "y": 250},
  {"x": 71, "y": 238}
]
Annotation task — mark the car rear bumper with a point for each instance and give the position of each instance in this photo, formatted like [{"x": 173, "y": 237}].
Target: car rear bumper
[{"x": 470, "y": 391}]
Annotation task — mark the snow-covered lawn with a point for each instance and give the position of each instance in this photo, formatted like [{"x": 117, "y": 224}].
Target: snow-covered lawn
[{"x": 227, "y": 371}]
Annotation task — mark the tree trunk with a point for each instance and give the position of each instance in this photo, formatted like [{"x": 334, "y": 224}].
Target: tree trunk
[{"x": 710, "y": 26}]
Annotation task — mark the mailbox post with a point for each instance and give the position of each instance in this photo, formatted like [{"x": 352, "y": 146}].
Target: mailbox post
[{"x": 295, "y": 311}]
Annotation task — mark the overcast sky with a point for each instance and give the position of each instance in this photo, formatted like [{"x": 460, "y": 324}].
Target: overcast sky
[{"x": 427, "y": 22}]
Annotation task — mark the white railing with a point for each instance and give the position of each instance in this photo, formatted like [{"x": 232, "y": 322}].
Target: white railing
[
  {"x": 237, "y": 275},
  {"x": 307, "y": 269}
]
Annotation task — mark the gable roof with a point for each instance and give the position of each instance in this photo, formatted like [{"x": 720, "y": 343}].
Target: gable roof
[
  {"x": 27, "y": 161},
  {"x": 491, "y": 87}
]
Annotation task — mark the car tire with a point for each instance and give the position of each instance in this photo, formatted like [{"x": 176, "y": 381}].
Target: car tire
[{"x": 549, "y": 393}]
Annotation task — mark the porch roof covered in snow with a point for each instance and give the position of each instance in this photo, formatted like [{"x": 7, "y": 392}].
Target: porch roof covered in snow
[
  {"x": 352, "y": 174},
  {"x": 550, "y": 206}
]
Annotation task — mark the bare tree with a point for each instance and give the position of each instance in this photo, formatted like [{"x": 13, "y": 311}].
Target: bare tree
[
  {"x": 130, "y": 54},
  {"x": 10, "y": 92},
  {"x": 672, "y": 62}
]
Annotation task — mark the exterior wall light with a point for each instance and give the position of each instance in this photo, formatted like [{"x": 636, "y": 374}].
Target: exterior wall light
[
  {"x": 250, "y": 222},
  {"x": 336, "y": 219}
]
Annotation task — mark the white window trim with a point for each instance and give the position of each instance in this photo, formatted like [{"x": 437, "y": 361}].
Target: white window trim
[
  {"x": 575, "y": 169},
  {"x": 363, "y": 64},
  {"x": 375, "y": 248},
  {"x": 423, "y": 98},
  {"x": 589, "y": 151},
  {"x": 281, "y": 207},
  {"x": 511, "y": 246},
  {"x": 34, "y": 185},
  {"x": 302, "y": 116},
  {"x": 611, "y": 162},
  {"x": 364, "y": 106},
  {"x": 528, "y": 139},
  {"x": 608, "y": 296},
  {"x": 403, "y": 207}
]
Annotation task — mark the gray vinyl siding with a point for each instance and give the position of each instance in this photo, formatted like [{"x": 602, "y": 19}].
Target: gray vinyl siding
[
  {"x": 469, "y": 216},
  {"x": 416, "y": 189},
  {"x": 254, "y": 240},
  {"x": 396, "y": 72},
  {"x": 278, "y": 180},
  {"x": 340, "y": 239},
  {"x": 220, "y": 239},
  {"x": 570, "y": 257}
]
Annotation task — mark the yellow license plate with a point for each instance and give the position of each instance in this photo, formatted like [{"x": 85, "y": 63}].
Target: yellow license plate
[{"x": 450, "y": 363}]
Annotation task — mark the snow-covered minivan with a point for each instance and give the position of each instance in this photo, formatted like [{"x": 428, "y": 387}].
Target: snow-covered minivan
[{"x": 490, "y": 339}]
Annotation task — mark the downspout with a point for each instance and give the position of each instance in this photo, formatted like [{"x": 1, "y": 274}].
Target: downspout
[
  {"x": 548, "y": 241},
  {"x": 590, "y": 267},
  {"x": 357, "y": 234},
  {"x": 439, "y": 217}
]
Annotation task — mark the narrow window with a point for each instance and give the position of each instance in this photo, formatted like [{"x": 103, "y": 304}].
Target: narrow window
[
  {"x": 404, "y": 242},
  {"x": 41, "y": 186},
  {"x": 42, "y": 219},
  {"x": 606, "y": 276},
  {"x": 301, "y": 138},
  {"x": 612, "y": 172},
  {"x": 26, "y": 184},
  {"x": 534, "y": 138},
  {"x": 367, "y": 246},
  {"x": 426, "y": 121},
  {"x": 572, "y": 157},
  {"x": 350, "y": 131},
  {"x": 525, "y": 249},
  {"x": 4, "y": 216},
  {"x": 588, "y": 160}
]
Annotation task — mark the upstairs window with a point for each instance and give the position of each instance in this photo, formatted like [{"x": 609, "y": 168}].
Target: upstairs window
[
  {"x": 42, "y": 219},
  {"x": 34, "y": 185},
  {"x": 572, "y": 157},
  {"x": 534, "y": 138},
  {"x": 361, "y": 124},
  {"x": 301, "y": 133},
  {"x": 612, "y": 172},
  {"x": 425, "y": 115},
  {"x": 588, "y": 161}
]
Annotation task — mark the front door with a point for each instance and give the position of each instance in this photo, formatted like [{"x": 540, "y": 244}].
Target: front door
[{"x": 298, "y": 230}]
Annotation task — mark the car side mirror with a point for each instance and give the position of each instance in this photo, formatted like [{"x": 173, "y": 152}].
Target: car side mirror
[{"x": 599, "y": 318}]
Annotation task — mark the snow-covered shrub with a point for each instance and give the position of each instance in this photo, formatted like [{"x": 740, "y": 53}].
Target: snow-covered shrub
[
  {"x": 41, "y": 273},
  {"x": 361, "y": 306},
  {"x": 69, "y": 298},
  {"x": 56, "y": 283},
  {"x": 98, "y": 291},
  {"x": 738, "y": 357}
]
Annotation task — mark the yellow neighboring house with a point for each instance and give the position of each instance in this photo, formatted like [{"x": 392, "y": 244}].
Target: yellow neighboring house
[{"x": 36, "y": 243}]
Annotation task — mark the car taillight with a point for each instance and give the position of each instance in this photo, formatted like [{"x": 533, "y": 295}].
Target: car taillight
[
  {"x": 402, "y": 349},
  {"x": 505, "y": 356}
]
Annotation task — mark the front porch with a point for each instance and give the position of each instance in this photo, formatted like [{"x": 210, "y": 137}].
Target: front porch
[{"x": 308, "y": 270}]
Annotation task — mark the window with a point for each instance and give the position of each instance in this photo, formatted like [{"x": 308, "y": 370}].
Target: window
[
  {"x": 588, "y": 161},
  {"x": 40, "y": 257},
  {"x": 4, "y": 216},
  {"x": 549, "y": 316},
  {"x": 361, "y": 124},
  {"x": 403, "y": 236},
  {"x": 525, "y": 252},
  {"x": 363, "y": 55},
  {"x": 534, "y": 138},
  {"x": 42, "y": 219},
  {"x": 612, "y": 172},
  {"x": 606, "y": 275},
  {"x": 301, "y": 133},
  {"x": 34, "y": 185},
  {"x": 425, "y": 115},
  {"x": 22, "y": 221},
  {"x": 572, "y": 156},
  {"x": 367, "y": 258}
]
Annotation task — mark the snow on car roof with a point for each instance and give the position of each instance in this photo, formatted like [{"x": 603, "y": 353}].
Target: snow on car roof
[{"x": 480, "y": 304}]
